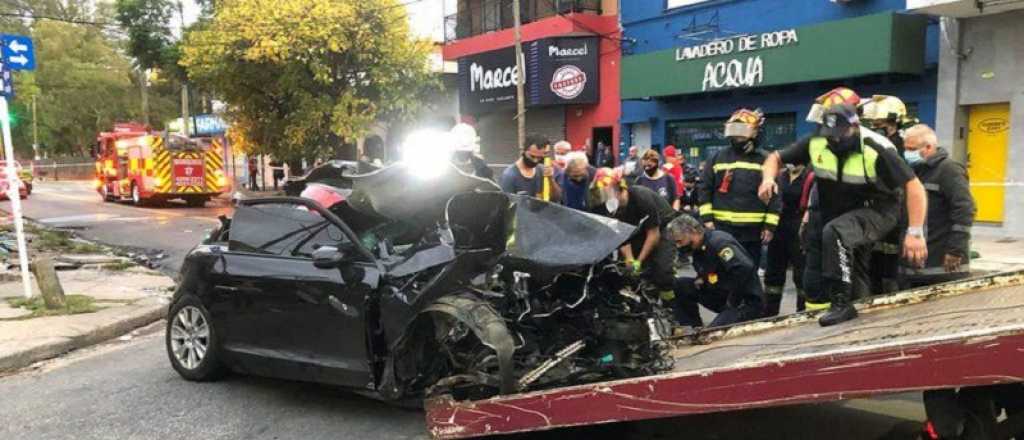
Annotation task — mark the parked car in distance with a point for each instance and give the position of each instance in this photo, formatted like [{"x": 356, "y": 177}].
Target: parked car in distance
[{"x": 24, "y": 189}]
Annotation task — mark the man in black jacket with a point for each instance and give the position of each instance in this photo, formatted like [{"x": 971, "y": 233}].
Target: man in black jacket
[{"x": 950, "y": 209}]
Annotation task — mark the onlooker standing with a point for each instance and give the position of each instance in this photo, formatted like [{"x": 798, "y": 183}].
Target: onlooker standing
[
  {"x": 785, "y": 251},
  {"x": 253, "y": 169},
  {"x": 688, "y": 200},
  {"x": 630, "y": 166},
  {"x": 951, "y": 209},
  {"x": 575, "y": 180},
  {"x": 654, "y": 179},
  {"x": 562, "y": 148},
  {"x": 278, "y": 172},
  {"x": 527, "y": 174},
  {"x": 673, "y": 167}
]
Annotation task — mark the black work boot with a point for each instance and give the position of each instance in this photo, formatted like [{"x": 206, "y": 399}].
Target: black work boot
[{"x": 842, "y": 309}]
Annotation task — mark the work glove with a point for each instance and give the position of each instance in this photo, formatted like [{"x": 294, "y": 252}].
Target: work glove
[{"x": 637, "y": 267}]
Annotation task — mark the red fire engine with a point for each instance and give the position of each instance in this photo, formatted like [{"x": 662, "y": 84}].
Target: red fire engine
[{"x": 134, "y": 163}]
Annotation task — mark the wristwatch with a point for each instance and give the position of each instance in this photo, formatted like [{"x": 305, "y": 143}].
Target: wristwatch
[{"x": 915, "y": 231}]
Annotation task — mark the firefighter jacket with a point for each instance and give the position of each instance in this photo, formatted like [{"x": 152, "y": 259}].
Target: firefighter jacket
[
  {"x": 728, "y": 193},
  {"x": 728, "y": 270},
  {"x": 950, "y": 207}
]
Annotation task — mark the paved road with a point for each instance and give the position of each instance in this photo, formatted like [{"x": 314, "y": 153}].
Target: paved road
[{"x": 127, "y": 390}]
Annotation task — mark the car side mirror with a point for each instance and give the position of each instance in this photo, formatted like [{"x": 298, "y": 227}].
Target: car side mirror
[{"x": 328, "y": 257}]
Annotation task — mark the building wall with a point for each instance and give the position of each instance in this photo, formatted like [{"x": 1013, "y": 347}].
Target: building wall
[
  {"x": 983, "y": 63},
  {"x": 581, "y": 119}
]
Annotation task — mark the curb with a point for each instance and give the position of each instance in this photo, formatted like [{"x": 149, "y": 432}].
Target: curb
[{"x": 141, "y": 316}]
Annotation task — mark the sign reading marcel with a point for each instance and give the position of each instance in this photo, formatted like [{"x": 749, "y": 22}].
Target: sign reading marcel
[
  {"x": 559, "y": 71},
  {"x": 739, "y": 71}
]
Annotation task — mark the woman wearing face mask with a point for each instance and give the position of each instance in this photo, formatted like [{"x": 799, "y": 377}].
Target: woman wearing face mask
[{"x": 654, "y": 179}]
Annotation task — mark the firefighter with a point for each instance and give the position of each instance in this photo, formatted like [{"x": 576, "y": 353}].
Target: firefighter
[
  {"x": 950, "y": 209},
  {"x": 815, "y": 294},
  {"x": 649, "y": 253},
  {"x": 887, "y": 115},
  {"x": 726, "y": 281},
  {"x": 785, "y": 249},
  {"x": 466, "y": 152},
  {"x": 728, "y": 187},
  {"x": 857, "y": 174}
]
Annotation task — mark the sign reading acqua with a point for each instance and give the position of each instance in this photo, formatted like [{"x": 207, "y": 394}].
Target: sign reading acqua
[{"x": 739, "y": 71}]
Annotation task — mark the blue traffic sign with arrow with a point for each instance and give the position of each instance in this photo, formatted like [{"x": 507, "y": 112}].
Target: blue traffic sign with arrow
[{"x": 18, "y": 53}]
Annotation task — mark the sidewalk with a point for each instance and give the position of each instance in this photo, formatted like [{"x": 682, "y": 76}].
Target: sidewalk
[
  {"x": 126, "y": 298},
  {"x": 997, "y": 254}
]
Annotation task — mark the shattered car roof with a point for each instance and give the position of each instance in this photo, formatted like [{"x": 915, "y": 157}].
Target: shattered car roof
[{"x": 399, "y": 192}]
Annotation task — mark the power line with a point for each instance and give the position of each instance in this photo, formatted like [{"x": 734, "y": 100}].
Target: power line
[{"x": 52, "y": 18}]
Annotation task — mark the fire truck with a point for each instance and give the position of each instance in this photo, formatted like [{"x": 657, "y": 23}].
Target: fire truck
[{"x": 141, "y": 166}]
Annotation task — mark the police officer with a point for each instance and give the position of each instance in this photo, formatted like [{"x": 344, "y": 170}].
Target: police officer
[
  {"x": 950, "y": 209},
  {"x": 728, "y": 187},
  {"x": 649, "y": 253},
  {"x": 887, "y": 115},
  {"x": 858, "y": 174},
  {"x": 726, "y": 282}
]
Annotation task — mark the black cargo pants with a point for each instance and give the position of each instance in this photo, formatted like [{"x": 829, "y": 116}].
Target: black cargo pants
[
  {"x": 846, "y": 245},
  {"x": 784, "y": 252}
]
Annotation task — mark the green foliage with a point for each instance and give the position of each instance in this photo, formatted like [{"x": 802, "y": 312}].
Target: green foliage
[
  {"x": 146, "y": 22},
  {"x": 302, "y": 76},
  {"x": 74, "y": 304}
]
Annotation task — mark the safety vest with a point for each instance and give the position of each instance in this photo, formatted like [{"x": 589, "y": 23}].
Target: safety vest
[{"x": 858, "y": 168}]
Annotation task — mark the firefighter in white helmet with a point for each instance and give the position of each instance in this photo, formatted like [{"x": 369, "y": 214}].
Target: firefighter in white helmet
[
  {"x": 887, "y": 115},
  {"x": 466, "y": 152}
]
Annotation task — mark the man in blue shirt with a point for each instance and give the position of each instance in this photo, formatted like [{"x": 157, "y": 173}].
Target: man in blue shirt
[
  {"x": 575, "y": 180},
  {"x": 527, "y": 174}
]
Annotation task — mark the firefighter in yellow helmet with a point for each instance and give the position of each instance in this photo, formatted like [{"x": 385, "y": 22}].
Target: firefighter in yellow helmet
[
  {"x": 728, "y": 187},
  {"x": 887, "y": 115}
]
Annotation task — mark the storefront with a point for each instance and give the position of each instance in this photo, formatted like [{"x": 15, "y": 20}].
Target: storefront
[
  {"x": 679, "y": 87},
  {"x": 980, "y": 116}
]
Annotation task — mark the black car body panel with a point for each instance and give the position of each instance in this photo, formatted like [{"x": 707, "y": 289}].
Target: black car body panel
[{"x": 421, "y": 265}]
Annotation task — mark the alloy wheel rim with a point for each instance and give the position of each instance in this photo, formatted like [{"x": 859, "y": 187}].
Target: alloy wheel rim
[{"x": 190, "y": 337}]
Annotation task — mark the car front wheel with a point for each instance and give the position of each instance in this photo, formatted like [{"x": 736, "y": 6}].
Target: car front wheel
[{"x": 192, "y": 344}]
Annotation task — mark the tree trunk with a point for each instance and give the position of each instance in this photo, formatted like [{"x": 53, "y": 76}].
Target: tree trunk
[
  {"x": 144, "y": 86},
  {"x": 49, "y": 283}
]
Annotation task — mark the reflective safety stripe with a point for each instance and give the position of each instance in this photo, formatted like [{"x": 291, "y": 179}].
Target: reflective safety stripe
[
  {"x": 705, "y": 209},
  {"x": 737, "y": 165},
  {"x": 771, "y": 219},
  {"x": 962, "y": 228},
  {"x": 742, "y": 217},
  {"x": 811, "y": 307},
  {"x": 932, "y": 187},
  {"x": 773, "y": 290}
]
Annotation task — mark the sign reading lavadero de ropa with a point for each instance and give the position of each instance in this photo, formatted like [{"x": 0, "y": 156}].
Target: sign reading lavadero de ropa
[{"x": 882, "y": 43}]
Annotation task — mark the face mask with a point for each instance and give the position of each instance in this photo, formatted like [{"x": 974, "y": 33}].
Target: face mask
[
  {"x": 843, "y": 145},
  {"x": 528, "y": 161},
  {"x": 745, "y": 146},
  {"x": 612, "y": 204},
  {"x": 913, "y": 157},
  {"x": 651, "y": 170}
]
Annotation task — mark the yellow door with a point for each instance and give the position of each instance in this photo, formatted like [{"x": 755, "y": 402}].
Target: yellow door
[{"x": 987, "y": 143}]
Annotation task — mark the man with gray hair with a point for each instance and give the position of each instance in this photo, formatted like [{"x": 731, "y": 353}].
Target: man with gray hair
[
  {"x": 726, "y": 281},
  {"x": 950, "y": 209},
  {"x": 575, "y": 180}
]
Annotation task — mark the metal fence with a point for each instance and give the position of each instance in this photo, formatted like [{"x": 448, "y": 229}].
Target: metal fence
[
  {"x": 62, "y": 169},
  {"x": 477, "y": 17}
]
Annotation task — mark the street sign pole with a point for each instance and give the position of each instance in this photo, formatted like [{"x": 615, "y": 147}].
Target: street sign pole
[{"x": 15, "y": 198}]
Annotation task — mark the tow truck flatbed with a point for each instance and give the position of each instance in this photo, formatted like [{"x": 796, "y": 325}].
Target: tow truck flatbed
[{"x": 963, "y": 334}]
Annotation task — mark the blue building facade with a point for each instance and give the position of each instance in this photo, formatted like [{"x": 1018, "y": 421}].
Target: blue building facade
[{"x": 688, "y": 64}]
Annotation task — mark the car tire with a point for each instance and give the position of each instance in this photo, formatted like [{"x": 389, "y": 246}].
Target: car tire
[
  {"x": 195, "y": 202},
  {"x": 192, "y": 341}
]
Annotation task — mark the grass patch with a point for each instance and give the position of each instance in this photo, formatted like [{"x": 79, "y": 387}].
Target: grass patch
[
  {"x": 117, "y": 267},
  {"x": 61, "y": 241},
  {"x": 75, "y": 304}
]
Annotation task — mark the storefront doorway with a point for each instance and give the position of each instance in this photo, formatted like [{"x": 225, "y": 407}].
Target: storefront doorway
[
  {"x": 987, "y": 142},
  {"x": 604, "y": 136}
]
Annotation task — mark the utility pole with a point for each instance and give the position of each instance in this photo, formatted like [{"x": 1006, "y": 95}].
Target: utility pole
[
  {"x": 184, "y": 82},
  {"x": 520, "y": 75},
  {"x": 144, "y": 88},
  {"x": 35, "y": 130}
]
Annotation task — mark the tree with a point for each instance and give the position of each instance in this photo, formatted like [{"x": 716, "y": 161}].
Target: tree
[
  {"x": 149, "y": 38},
  {"x": 300, "y": 77}
]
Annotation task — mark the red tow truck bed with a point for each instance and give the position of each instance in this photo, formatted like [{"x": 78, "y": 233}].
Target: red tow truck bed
[{"x": 962, "y": 334}]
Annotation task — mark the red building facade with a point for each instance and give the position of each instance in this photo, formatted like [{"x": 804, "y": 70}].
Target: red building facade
[{"x": 571, "y": 52}]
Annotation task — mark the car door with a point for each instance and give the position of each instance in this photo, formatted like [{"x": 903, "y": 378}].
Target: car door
[{"x": 288, "y": 318}]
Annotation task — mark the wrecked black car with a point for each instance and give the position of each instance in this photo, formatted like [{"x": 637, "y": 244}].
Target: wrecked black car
[{"x": 413, "y": 287}]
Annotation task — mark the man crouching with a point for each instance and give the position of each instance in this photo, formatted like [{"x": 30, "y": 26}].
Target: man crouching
[{"x": 726, "y": 282}]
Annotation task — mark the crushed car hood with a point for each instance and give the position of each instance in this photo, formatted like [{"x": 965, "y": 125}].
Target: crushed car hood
[
  {"x": 535, "y": 236},
  {"x": 399, "y": 192}
]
